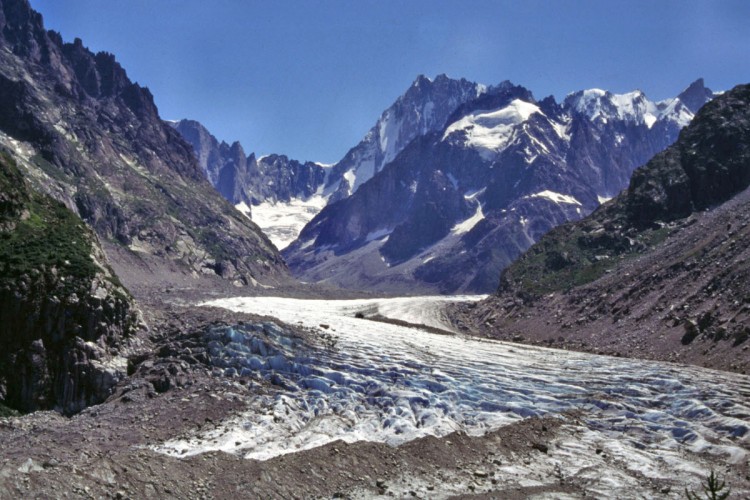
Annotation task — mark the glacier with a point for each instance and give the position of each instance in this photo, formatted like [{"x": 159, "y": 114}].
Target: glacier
[{"x": 375, "y": 381}]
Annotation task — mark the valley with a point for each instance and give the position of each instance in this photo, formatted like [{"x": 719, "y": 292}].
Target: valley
[{"x": 490, "y": 295}]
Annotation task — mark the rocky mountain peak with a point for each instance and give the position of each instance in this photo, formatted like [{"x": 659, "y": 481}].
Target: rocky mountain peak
[
  {"x": 22, "y": 28},
  {"x": 696, "y": 95}
]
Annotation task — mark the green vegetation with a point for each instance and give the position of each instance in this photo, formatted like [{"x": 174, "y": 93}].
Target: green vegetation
[
  {"x": 7, "y": 412},
  {"x": 49, "y": 168},
  {"x": 578, "y": 253},
  {"x": 44, "y": 233},
  {"x": 712, "y": 490}
]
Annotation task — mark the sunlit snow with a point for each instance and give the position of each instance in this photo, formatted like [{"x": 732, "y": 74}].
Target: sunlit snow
[
  {"x": 282, "y": 222},
  {"x": 468, "y": 224},
  {"x": 632, "y": 107},
  {"x": 556, "y": 197},
  {"x": 492, "y": 131}
]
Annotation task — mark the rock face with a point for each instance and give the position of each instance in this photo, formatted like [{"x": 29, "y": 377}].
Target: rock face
[
  {"x": 660, "y": 271},
  {"x": 88, "y": 136},
  {"x": 63, "y": 313},
  {"x": 245, "y": 179},
  {"x": 460, "y": 202},
  {"x": 423, "y": 108}
]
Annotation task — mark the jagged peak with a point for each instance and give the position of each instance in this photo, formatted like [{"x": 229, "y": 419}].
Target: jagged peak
[
  {"x": 696, "y": 95},
  {"x": 421, "y": 80}
]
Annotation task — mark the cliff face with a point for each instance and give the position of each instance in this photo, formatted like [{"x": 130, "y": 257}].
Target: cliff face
[
  {"x": 63, "y": 313},
  {"x": 91, "y": 138},
  {"x": 245, "y": 179}
]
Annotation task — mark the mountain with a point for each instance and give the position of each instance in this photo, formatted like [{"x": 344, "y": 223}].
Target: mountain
[
  {"x": 281, "y": 195},
  {"x": 662, "y": 270},
  {"x": 423, "y": 108},
  {"x": 287, "y": 194},
  {"x": 461, "y": 202},
  {"x": 100, "y": 198},
  {"x": 83, "y": 133},
  {"x": 245, "y": 179}
]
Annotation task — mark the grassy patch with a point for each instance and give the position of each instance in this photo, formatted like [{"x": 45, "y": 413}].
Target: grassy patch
[{"x": 46, "y": 233}]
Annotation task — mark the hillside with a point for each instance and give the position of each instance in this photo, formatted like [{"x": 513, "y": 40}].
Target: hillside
[
  {"x": 64, "y": 316},
  {"x": 84, "y": 133}
]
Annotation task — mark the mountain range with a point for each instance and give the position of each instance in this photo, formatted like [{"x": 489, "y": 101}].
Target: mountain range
[
  {"x": 506, "y": 168},
  {"x": 661, "y": 271}
]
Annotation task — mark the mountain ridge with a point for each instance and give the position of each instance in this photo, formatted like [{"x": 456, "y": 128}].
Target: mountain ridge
[
  {"x": 508, "y": 168},
  {"x": 88, "y": 136}
]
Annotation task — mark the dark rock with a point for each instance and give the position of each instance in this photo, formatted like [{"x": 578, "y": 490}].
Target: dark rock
[{"x": 63, "y": 314}]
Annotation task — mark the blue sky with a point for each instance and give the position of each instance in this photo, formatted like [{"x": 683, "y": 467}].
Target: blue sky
[{"x": 309, "y": 78}]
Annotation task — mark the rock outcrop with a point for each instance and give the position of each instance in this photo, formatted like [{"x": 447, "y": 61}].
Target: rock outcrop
[{"x": 64, "y": 316}]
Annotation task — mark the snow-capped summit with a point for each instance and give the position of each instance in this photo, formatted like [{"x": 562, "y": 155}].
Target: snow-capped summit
[
  {"x": 423, "y": 108},
  {"x": 601, "y": 105},
  {"x": 460, "y": 202}
]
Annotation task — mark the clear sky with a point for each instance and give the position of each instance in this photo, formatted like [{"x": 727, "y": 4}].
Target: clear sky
[{"x": 308, "y": 78}]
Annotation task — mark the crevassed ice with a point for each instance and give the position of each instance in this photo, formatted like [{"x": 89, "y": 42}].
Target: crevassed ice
[{"x": 388, "y": 383}]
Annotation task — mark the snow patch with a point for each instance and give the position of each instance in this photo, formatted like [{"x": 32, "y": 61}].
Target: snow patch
[
  {"x": 556, "y": 197},
  {"x": 376, "y": 235},
  {"x": 351, "y": 178},
  {"x": 492, "y": 131},
  {"x": 242, "y": 207},
  {"x": 468, "y": 224}
]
